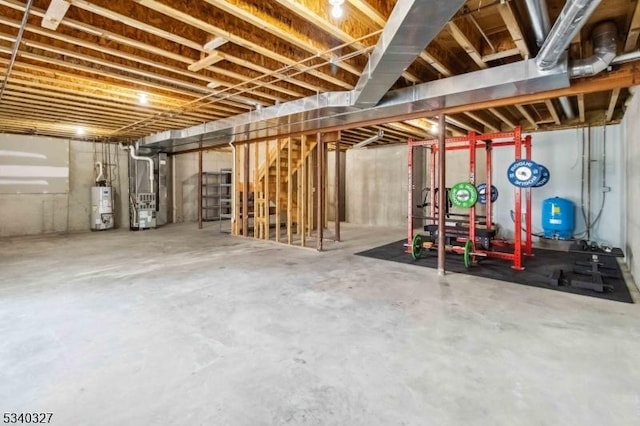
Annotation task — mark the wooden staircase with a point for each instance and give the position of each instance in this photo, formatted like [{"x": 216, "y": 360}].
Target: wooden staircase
[{"x": 282, "y": 187}]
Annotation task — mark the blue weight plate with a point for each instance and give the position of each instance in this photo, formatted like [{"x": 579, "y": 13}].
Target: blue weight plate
[
  {"x": 544, "y": 178},
  {"x": 524, "y": 173},
  {"x": 482, "y": 197}
]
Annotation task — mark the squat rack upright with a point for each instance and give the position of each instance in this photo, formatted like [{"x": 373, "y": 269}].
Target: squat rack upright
[{"x": 472, "y": 142}]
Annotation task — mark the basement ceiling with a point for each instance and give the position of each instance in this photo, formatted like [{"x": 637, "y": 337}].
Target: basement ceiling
[{"x": 121, "y": 70}]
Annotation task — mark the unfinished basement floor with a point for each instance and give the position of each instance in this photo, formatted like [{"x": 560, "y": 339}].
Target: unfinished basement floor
[{"x": 177, "y": 326}]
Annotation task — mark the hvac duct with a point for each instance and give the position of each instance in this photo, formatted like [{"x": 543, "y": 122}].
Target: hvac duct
[
  {"x": 539, "y": 19},
  {"x": 413, "y": 24},
  {"x": 572, "y": 18},
  {"x": 605, "y": 44}
]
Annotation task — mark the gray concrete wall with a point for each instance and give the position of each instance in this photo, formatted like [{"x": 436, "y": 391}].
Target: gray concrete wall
[
  {"x": 561, "y": 152},
  {"x": 377, "y": 182},
  {"x": 331, "y": 187},
  {"x": 631, "y": 130},
  {"x": 29, "y": 214},
  {"x": 185, "y": 180}
]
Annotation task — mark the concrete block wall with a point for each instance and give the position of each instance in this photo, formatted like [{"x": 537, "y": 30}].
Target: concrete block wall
[
  {"x": 185, "y": 180},
  {"x": 31, "y": 214}
]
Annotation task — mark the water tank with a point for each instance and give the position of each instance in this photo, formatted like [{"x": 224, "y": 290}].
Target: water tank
[
  {"x": 558, "y": 218},
  {"x": 101, "y": 208}
]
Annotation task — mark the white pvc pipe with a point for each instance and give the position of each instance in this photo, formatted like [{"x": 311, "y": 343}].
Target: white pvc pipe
[{"x": 99, "y": 164}]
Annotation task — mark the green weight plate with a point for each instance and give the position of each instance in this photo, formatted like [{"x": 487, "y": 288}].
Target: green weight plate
[
  {"x": 469, "y": 256},
  {"x": 463, "y": 195},
  {"x": 416, "y": 246}
]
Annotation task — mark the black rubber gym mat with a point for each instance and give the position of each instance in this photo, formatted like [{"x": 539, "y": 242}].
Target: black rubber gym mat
[{"x": 538, "y": 269}]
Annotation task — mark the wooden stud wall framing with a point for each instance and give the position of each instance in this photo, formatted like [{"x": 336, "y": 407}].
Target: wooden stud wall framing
[{"x": 288, "y": 174}]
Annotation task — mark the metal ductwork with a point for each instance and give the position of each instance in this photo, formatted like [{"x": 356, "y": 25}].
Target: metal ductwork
[
  {"x": 605, "y": 46},
  {"x": 413, "y": 24},
  {"x": 540, "y": 22},
  {"x": 573, "y": 16},
  {"x": 336, "y": 109}
]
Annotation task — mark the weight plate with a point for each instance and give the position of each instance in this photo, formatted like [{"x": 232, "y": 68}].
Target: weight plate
[
  {"x": 544, "y": 176},
  {"x": 469, "y": 256},
  {"x": 524, "y": 173},
  {"x": 463, "y": 195},
  {"x": 416, "y": 246},
  {"x": 482, "y": 196}
]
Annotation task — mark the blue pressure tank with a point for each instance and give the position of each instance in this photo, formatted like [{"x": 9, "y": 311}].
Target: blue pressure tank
[{"x": 558, "y": 218}]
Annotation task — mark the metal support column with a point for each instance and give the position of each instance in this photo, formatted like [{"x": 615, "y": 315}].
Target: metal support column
[
  {"x": 409, "y": 195},
  {"x": 472, "y": 179},
  {"x": 442, "y": 194},
  {"x": 200, "y": 182},
  {"x": 320, "y": 190},
  {"x": 337, "y": 191},
  {"x": 517, "y": 234}
]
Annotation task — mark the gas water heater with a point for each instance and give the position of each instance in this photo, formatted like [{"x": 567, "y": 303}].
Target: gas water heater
[{"x": 101, "y": 203}]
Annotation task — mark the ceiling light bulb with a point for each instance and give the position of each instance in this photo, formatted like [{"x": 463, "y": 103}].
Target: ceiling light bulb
[
  {"x": 336, "y": 11},
  {"x": 80, "y": 131},
  {"x": 143, "y": 99},
  {"x": 435, "y": 128}
]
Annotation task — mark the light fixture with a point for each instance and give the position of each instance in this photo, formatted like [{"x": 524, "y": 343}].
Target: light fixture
[
  {"x": 80, "y": 131},
  {"x": 435, "y": 128},
  {"x": 336, "y": 8},
  {"x": 143, "y": 98}
]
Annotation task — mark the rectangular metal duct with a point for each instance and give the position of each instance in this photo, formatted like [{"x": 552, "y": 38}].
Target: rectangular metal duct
[
  {"x": 409, "y": 30},
  {"x": 337, "y": 108}
]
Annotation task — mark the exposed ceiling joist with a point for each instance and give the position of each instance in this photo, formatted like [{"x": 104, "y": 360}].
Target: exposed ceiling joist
[
  {"x": 513, "y": 26},
  {"x": 612, "y": 104},
  {"x": 552, "y": 111},
  {"x": 527, "y": 115},
  {"x": 631, "y": 42},
  {"x": 464, "y": 35}
]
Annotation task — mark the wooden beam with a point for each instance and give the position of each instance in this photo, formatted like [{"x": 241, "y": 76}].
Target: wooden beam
[
  {"x": 552, "y": 111},
  {"x": 581, "y": 111},
  {"x": 256, "y": 193},
  {"x": 303, "y": 10},
  {"x": 274, "y": 27},
  {"x": 205, "y": 62},
  {"x": 513, "y": 26},
  {"x": 212, "y": 29},
  {"x": 631, "y": 43},
  {"x": 503, "y": 117},
  {"x": 463, "y": 34},
  {"x": 612, "y": 104},
  {"x": 494, "y": 127},
  {"x": 245, "y": 190},
  {"x": 500, "y": 54},
  {"x": 369, "y": 11},
  {"x": 526, "y": 115},
  {"x": 55, "y": 13}
]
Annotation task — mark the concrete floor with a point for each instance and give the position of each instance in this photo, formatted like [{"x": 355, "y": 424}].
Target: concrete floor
[{"x": 184, "y": 327}]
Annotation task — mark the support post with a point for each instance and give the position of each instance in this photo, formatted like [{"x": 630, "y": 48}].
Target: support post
[
  {"x": 442, "y": 194},
  {"x": 302, "y": 185},
  {"x": 432, "y": 184},
  {"x": 489, "y": 171},
  {"x": 336, "y": 191},
  {"x": 245, "y": 191},
  {"x": 278, "y": 185},
  {"x": 409, "y": 195},
  {"x": 289, "y": 193},
  {"x": 320, "y": 191},
  {"x": 472, "y": 178},
  {"x": 517, "y": 234},
  {"x": 200, "y": 182},
  {"x": 528, "y": 243}
]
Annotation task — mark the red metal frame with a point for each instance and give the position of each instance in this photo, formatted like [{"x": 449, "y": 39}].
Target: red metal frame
[{"x": 472, "y": 142}]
